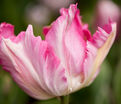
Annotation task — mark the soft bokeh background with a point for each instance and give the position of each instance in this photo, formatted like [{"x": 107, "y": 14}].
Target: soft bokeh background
[{"x": 106, "y": 89}]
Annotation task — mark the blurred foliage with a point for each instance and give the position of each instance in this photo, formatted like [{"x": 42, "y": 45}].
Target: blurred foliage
[{"x": 106, "y": 89}]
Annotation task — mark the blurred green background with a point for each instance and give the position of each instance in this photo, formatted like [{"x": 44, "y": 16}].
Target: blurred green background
[{"x": 106, "y": 89}]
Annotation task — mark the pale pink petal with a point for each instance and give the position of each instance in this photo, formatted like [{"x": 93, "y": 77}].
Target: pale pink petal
[
  {"x": 67, "y": 36},
  {"x": 97, "y": 50},
  {"x": 34, "y": 66},
  {"x": 6, "y": 31},
  {"x": 46, "y": 64},
  {"x": 54, "y": 75},
  {"x": 23, "y": 72}
]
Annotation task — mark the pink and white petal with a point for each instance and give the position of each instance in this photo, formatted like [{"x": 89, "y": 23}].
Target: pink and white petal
[
  {"x": 7, "y": 31},
  {"x": 55, "y": 35},
  {"x": 5, "y": 61},
  {"x": 23, "y": 72},
  {"x": 67, "y": 38},
  {"x": 36, "y": 48},
  {"x": 45, "y": 63},
  {"x": 54, "y": 74},
  {"x": 97, "y": 50}
]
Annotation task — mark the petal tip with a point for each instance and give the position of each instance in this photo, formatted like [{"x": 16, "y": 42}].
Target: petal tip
[
  {"x": 6, "y": 27},
  {"x": 72, "y": 7},
  {"x": 4, "y": 24},
  {"x": 29, "y": 30}
]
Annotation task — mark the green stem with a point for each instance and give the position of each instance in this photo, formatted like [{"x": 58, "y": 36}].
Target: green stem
[{"x": 64, "y": 99}]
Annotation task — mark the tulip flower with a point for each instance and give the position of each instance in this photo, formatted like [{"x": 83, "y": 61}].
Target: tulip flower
[{"x": 67, "y": 60}]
